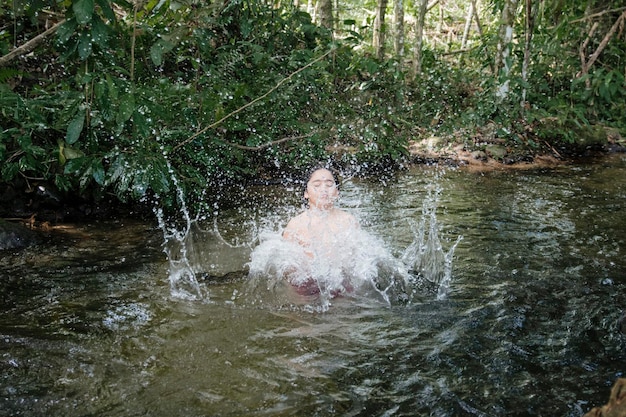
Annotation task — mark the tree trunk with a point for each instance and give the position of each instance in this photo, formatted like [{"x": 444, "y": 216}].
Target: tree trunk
[
  {"x": 477, "y": 17},
  {"x": 503, "y": 52},
  {"x": 379, "y": 30},
  {"x": 419, "y": 37},
  {"x": 398, "y": 8},
  {"x": 324, "y": 13},
  {"x": 530, "y": 27},
  {"x": 468, "y": 25}
]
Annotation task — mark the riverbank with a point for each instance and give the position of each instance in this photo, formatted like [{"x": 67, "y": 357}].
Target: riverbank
[
  {"x": 40, "y": 207},
  {"x": 486, "y": 152}
]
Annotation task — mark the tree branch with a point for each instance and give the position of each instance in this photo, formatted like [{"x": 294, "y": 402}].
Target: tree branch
[
  {"x": 431, "y": 5},
  {"x": 268, "y": 144},
  {"x": 242, "y": 108},
  {"x": 583, "y": 48},
  {"x": 30, "y": 45},
  {"x": 606, "y": 40},
  {"x": 591, "y": 16}
]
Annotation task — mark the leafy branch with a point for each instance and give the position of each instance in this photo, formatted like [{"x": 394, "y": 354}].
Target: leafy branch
[{"x": 242, "y": 108}]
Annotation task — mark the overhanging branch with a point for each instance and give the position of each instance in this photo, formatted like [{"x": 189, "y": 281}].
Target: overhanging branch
[
  {"x": 30, "y": 45},
  {"x": 269, "y": 144},
  {"x": 245, "y": 106}
]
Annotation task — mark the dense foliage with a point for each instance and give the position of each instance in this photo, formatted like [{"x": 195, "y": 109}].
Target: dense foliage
[{"x": 126, "y": 97}]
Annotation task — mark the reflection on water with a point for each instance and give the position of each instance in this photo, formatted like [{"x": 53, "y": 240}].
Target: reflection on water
[{"x": 529, "y": 326}]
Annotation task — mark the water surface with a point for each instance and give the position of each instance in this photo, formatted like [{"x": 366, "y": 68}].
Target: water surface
[{"x": 528, "y": 327}]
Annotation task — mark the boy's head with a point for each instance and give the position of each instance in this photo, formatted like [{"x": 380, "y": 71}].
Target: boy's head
[{"x": 321, "y": 189}]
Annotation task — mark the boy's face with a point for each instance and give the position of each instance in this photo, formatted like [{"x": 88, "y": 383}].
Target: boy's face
[{"x": 321, "y": 190}]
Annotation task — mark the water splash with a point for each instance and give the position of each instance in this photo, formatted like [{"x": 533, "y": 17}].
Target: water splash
[
  {"x": 426, "y": 257},
  {"x": 181, "y": 272},
  {"x": 357, "y": 264},
  {"x": 198, "y": 254}
]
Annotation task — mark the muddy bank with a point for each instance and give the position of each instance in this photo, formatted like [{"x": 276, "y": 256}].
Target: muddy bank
[{"x": 485, "y": 152}]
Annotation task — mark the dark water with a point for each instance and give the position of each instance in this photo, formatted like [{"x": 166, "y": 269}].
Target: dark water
[{"x": 529, "y": 326}]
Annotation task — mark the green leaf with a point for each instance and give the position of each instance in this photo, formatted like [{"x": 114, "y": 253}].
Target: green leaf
[
  {"x": 83, "y": 10},
  {"x": 62, "y": 158},
  {"x": 84, "y": 45},
  {"x": 141, "y": 123},
  {"x": 28, "y": 163},
  {"x": 9, "y": 171},
  {"x": 97, "y": 171},
  {"x": 113, "y": 90},
  {"x": 99, "y": 32},
  {"x": 85, "y": 178},
  {"x": 66, "y": 30},
  {"x": 127, "y": 107},
  {"x": 74, "y": 166},
  {"x": 160, "y": 48},
  {"x": 70, "y": 153},
  {"x": 245, "y": 26},
  {"x": 107, "y": 11},
  {"x": 117, "y": 169},
  {"x": 62, "y": 183},
  {"x": 75, "y": 128},
  {"x": 25, "y": 142}
]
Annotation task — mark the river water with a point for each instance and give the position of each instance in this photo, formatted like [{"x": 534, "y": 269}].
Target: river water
[{"x": 93, "y": 321}]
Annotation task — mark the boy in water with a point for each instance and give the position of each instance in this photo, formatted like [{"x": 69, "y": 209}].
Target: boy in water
[
  {"x": 322, "y": 229},
  {"x": 318, "y": 226}
]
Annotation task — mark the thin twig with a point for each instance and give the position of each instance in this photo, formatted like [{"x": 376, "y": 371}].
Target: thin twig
[
  {"x": 245, "y": 106},
  {"x": 591, "y": 16},
  {"x": 268, "y": 144}
]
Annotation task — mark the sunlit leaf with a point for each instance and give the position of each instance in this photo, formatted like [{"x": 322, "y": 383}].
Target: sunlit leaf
[
  {"x": 70, "y": 153},
  {"x": 62, "y": 158}
]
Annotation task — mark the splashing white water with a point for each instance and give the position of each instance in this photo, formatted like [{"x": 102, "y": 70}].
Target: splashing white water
[
  {"x": 425, "y": 257},
  {"x": 356, "y": 263}
]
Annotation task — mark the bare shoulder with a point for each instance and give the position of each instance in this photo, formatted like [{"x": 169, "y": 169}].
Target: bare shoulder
[
  {"x": 294, "y": 227},
  {"x": 296, "y": 221}
]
